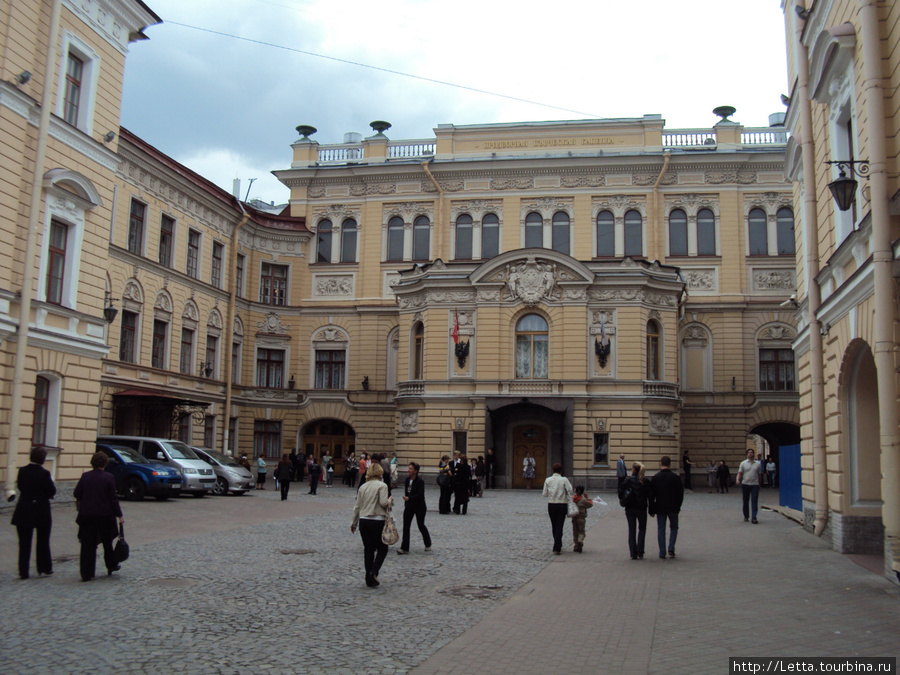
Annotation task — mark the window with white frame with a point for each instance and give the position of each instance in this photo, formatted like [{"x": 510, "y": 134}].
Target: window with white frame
[
  {"x": 239, "y": 275},
  {"x": 706, "y": 232},
  {"x": 186, "y": 360},
  {"x": 166, "y": 240},
  {"x": 534, "y": 230},
  {"x": 532, "y": 346},
  {"x": 606, "y": 234},
  {"x": 463, "y": 237},
  {"x": 273, "y": 284},
  {"x": 136, "y": 219},
  {"x": 215, "y": 274},
  {"x": 784, "y": 220},
  {"x": 78, "y": 77},
  {"x": 269, "y": 368},
  {"x": 348, "y": 240},
  {"x": 330, "y": 368},
  {"x": 654, "y": 356},
  {"x": 193, "y": 254},
  {"x": 560, "y": 234},
  {"x": 395, "y": 239},
  {"x": 634, "y": 237},
  {"x": 758, "y": 232},
  {"x": 678, "y": 233},
  {"x": 421, "y": 238},
  {"x": 45, "y": 424},
  {"x": 56, "y": 258},
  {"x": 158, "y": 349},
  {"x": 418, "y": 351},
  {"x": 266, "y": 438},
  {"x": 490, "y": 235},
  {"x": 128, "y": 337},
  {"x": 323, "y": 241}
]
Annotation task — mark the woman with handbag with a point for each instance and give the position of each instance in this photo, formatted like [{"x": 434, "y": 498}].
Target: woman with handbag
[
  {"x": 633, "y": 497},
  {"x": 98, "y": 507},
  {"x": 558, "y": 491},
  {"x": 370, "y": 512}
]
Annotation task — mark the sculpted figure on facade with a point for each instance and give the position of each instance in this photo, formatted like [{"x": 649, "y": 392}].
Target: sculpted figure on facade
[
  {"x": 531, "y": 281},
  {"x": 409, "y": 421},
  {"x": 272, "y": 325}
]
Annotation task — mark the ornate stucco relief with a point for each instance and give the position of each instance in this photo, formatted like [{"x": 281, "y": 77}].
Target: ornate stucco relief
[
  {"x": 333, "y": 285},
  {"x": 409, "y": 421},
  {"x": 661, "y": 424}
]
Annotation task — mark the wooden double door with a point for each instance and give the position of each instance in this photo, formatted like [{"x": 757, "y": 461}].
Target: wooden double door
[{"x": 533, "y": 439}]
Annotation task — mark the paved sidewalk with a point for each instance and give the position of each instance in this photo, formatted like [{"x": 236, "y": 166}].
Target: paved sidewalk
[
  {"x": 735, "y": 589},
  {"x": 251, "y": 584}
]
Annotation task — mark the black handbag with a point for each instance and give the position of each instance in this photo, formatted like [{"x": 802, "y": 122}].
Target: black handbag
[{"x": 122, "y": 550}]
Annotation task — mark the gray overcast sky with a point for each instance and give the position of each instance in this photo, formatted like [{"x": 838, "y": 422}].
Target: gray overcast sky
[{"x": 227, "y": 108}]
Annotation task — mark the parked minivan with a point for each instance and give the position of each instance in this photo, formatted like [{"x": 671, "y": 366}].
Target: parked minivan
[
  {"x": 198, "y": 476},
  {"x": 229, "y": 474}
]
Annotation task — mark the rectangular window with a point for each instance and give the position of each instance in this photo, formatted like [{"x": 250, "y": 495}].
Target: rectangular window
[
  {"x": 270, "y": 368},
  {"x": 601, "y": 449},
  {"x": 166, "y": 237},
  {"x": 421, "y": 238},
  {"x": 460, "y": 441},
  {"x": 212, "y": 349},
  {"x": 74, "y": 74},
  {"x": 395, "y": 239},
  {"x": 239, "y": 276},
  {"x": 266, "y": 438},
  {"x": 136, "y": 226},
  {"x": 127, "y": 336},
  {"x": 330, "y": 368},
  {"x": 776, "y": 369},
  {"x": 56, "y": 267},
  {"x": 187, "y": 352},
  {"x": 215, "y": 275},
  {"x": 490, "y": 236},
  {"x": 184, "y": 429},
  {"x": 41, "y": 409},
  {"x": 236, "y": 362},
  {"x": 209, "y": 431},
  {"x": 193, "y": 254},
  {"x": 158, "y": 350},
  {"x": 232, "y": 435},
  {"x": 273, "y": 284},
  {"x": 348, "y": 241},
  {"x": 464, "y": 237}
]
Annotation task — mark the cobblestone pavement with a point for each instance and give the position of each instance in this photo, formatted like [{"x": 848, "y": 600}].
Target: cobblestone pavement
[
  {"x": 271, "y": 587},
  {"x": 251, "y": 584}
]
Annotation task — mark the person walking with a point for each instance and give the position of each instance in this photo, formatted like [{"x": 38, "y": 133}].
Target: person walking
[
  {"x": 261, "y": 472},
  {"x": 369, "y": 513},
  {"x": 283, "y": 473},
  {"x": 351, "y": 467},
  {"x": 414, "y": 507},
  {"x": 621, "y": 472},
  {"x": 748, "y": 477},
  {"x": 528, "y": 470},
  {"x": 579, "y": 522},
  {"x": 666, "y": 497},
  {"x": 315, "y": 472},
  {"x": 32, "y": 513},
  {"x": 445, "y": 483},
  {"x": 558, "y": 491},
  {"x": 770, "y": 471},
  {"x": 490, "y": 468},
  {"x": 688, "y": 465},
  {"x": 710, "y": 476},
  {"x": 362, "y": 468},
  {"x": 462, "y": 479},
  {"x": 633, "y": 496},
  {"x": 724, "y": 477},
  {"x": 98, "y": 507}
]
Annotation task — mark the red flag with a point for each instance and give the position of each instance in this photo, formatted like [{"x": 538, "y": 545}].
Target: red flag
[{"x": 456, "y": 328}]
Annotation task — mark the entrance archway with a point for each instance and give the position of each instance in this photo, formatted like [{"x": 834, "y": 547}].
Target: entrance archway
[
  {"x": 329, "y": 436},
  {"x": 529, "y": 439}
]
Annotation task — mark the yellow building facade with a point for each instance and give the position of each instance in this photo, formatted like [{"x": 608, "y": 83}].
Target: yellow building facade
[
  {"x": 61, "y": 68},
  {"x": 844, "y": 68}
]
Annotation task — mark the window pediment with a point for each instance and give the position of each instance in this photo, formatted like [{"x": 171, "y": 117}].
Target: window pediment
[{"x": 831, "y": 62}]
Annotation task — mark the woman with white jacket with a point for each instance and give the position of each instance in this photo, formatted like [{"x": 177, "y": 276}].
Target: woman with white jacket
[{"x": 369, "y": 513}]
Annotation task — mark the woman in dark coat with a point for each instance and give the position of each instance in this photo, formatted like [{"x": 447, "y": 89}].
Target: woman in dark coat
[
  {"x": 445, "y": 483},
  {"x": 633, "y": 496},
  {"x": 36, "y": 489},
  {"x": 461, "y": 486},
  {"x": 283, "y": 473},
  {"x": 414, "y": 507},
  {"x": 98, "y": 507}
]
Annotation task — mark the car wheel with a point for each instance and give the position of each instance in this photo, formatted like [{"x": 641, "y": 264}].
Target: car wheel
[
  {"x": 199, "y": 494},
  {"x": 221, "y": 487},
  {"x": 134, "y": 489},
  {"x": 161, "y": 498}
]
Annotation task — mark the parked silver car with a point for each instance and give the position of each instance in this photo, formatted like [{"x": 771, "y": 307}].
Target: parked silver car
[{"x": 229, "y": 474}]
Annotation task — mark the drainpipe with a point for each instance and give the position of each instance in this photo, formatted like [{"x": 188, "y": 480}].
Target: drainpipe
[
  {"x": 882, "y": 261},
  {"x": 813, "y": 292},
  {"x": 667, "y": 155},
  {"x": 27, "y": 293},
  {"x": 229, "y": 325},
  {"x": 440, "y": 218}
]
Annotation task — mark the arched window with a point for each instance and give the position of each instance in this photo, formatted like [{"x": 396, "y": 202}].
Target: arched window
[
  {"x": 421, "y": 238},
  {"x": 532, "y": 346},
  {"x": 785, "y": 238},
  {"x": 606, "y": 234},
  {"x": 561, "y": 232},
  {"x": 759, "y": 239},
  {"x": 418, "y": 360},
  {"x": 634, "y": 244},
  {"x": 534, "y": 230},
  {"x": 323, "y": 242},
  {"x": 464, "y": 237},
  {"x": 395, "y": 239},
  {"x": 706, "y": 232},
  {"x": 348, "y": 241},
  {"x": 678, "y": 233},
  {"x": 490, "y": 235},
  {"x": 653, "y": 353}
]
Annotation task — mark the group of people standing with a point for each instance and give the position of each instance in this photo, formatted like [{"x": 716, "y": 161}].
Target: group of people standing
[
  {"x": 460, "y": 478},
  {"x": 97, "y": 506}
]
